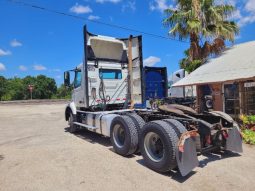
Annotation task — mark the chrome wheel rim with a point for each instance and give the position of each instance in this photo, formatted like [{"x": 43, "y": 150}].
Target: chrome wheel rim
[
  {"x": 119, "y": 135},
  {"x": 154, "y": 147}
]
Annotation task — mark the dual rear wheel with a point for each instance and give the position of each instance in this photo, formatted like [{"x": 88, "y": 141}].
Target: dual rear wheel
[
  {"x": 125, "y": 131},
  {"x": 124, "y": 135},
  {"x": 158, "y": 144},
  {"x": 157, "y": 140}
]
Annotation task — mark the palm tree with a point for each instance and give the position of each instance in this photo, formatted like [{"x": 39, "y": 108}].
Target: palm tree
[{"x": 205, "y": 24}]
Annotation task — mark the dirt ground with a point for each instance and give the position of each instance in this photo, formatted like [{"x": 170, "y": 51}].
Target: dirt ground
[{"x": 38, "y": 153}]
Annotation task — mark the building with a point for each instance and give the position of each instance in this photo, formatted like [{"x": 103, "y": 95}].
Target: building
[{"x": 229, "y": 80}]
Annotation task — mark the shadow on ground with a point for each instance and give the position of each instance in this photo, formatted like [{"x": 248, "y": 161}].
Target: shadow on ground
[
  {"x": 173, "y": 174},
  {"x": 211, "y": 157},
  {"x": 1, "y": 157},
  {"x": 94, "y": 138},
  {"x": 91, "y": 137}
]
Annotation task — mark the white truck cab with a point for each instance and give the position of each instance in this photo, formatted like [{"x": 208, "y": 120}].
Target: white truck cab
[
  {"x": 102, "y": 80},
  {"x": 101, "y": 85}
]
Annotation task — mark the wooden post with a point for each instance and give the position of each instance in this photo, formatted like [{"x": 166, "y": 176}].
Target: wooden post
[
  {"x": 198, "y": 101},
  {"x": 217, "y": 97},
  {"x": 241, "y": 97},
  {"x": 130, "y": 72}
]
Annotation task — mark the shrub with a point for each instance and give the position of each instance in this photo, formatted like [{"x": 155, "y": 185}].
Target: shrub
[
  {"x": 249, "y": 136},
  {"x": 248, "y": 121}
]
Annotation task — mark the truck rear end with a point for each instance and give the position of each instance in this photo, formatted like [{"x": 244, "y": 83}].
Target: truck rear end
[
  {"x": 107, "y": 86},
  {"x": 106, "y": 65}
]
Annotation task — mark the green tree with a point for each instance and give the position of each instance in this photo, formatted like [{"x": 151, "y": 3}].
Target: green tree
[
  {"x": 3, "y": 85},
  {"x": 44, "y": 87},
  {"x": 14, "y": 89},
  {"x": 205, "y": 24},
  {"x": 28, "y": 80},
  {"x": 17, "y": 88},
  {"x": 64, "y": 92}
]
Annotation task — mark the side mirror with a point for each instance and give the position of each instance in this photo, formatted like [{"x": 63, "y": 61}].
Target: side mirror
[{"x": 67, "y": 78}]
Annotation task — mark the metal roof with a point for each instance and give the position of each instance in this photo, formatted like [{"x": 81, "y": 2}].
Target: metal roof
[{"x": 237, "y": 62}]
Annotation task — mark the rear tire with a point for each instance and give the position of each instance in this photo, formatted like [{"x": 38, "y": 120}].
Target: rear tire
[
  {"x": 139, "y": 123},
  {"x": 177, "y": 126},
  {"x": 124, "y": 135},
  {"x": 158, "y": 143}
]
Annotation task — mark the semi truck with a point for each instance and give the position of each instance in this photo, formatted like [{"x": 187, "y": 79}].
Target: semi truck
[{"x": 108, "y": 91}]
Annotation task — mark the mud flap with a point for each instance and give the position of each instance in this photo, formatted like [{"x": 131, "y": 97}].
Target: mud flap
[
  {"x": 186, "y": 155},
  {"x": 234, "y": 140}
]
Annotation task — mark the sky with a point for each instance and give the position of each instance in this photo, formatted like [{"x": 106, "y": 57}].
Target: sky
[{"x": 34, "y": 42}]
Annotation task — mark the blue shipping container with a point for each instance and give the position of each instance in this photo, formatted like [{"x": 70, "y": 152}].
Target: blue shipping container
[{"x": 156, "y": 83}]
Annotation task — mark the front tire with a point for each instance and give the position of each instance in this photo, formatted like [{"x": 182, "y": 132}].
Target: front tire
[{"x": 72, "y": 127}]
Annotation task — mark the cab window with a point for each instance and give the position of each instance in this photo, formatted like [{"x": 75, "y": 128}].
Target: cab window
[
  {"x": 77, "y": 79},
  {"x": 110, "y": 73}
]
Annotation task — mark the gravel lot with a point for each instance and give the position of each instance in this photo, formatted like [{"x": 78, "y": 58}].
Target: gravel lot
[{"x": 38, "y": 153}]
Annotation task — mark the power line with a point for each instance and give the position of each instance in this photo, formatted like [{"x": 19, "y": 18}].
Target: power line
[{"x": 93, "y": 21}]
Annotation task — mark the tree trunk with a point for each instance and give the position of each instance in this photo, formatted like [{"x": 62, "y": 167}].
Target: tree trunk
[
  {"x": 194, "y": 47},
  {"x": 196, "y": 8}
]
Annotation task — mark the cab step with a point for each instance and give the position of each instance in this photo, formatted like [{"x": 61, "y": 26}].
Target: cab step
[{"x": 89, "y": 127}]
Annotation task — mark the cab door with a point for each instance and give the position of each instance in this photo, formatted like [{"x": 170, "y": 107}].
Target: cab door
[{"x": 78, "y": 91}]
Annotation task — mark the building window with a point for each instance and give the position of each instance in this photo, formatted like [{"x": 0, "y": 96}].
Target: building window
[
  {"x": 231, "y": 95},
  {"x": 249, "y": 98}
]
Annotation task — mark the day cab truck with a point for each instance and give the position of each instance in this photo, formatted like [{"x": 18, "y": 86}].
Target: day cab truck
[{"x": 108, "y": 89}]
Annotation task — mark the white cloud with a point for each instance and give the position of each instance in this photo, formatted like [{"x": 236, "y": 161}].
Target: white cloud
[
  {"x": 245, "y": 11},
  {"x": 108, "y": 1},
  {"x": 39, "y": 67},
  {"x": 22, "y": 68},
  {"x": 93, "y": 17},
  {"x": 58, "y": 76},
  {"x": 228, "y": 2},
  {"x": 236, "y": 15},
  {"x": 129, "y": 5},
  {"x": 2, "y": 67},
  {"x": 246, "y": 20},
  {"x": 249, "y": 17},
  {"x": 159, "y": 5},
  {"x": 151, "y": 60},
  {"x": 80, "y": 9},
  {"x": 250, "y": 6},
  {"x": 15, "y": 43},
  {"x": 4, "y": 52}
]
